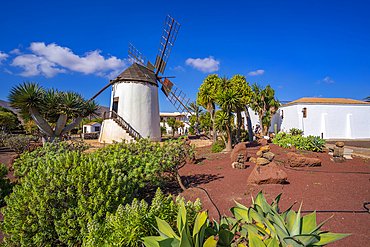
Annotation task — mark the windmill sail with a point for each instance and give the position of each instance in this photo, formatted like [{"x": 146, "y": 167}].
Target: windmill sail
[
  {"x": 177, "y": 97},
  {"x": 170, "y": 30},
  {"x": 137, "y": 57}
]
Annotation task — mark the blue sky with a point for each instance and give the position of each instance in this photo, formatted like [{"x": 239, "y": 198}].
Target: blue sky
[{"x": 301, "y": 48}]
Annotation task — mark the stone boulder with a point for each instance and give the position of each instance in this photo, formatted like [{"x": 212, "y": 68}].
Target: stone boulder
[
  {"x": 265, "y": 149},
  {"x": 239, "y": 148},
  {"x": 268, "y": 174},
  {"x": 338, "y": 159},
  {"x": 252, "y": 159},
  {"x": 297, "y": 160},
  {"x": 262, "y": 161},
  {"x": 260, "y": 142},
  {"x": 238, "y": 165},
  {"x": 269, "y": 155}
]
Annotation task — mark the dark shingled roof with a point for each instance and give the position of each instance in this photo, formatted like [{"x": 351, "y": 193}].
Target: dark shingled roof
[{"x": 137, "y": 73}]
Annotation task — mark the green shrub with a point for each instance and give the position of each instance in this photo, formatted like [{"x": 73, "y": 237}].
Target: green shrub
[
  {"x": 136, "y": 220},
  {"x": 294, "y": 131},
  {"x": 3, "y": 138},
  {"x": 55, "y": 202},
  {"x": 191, "y": 130},
  {"x": 148, "y": 162},
  {"x": 52, "y": 150},
  {"x": 6, "y": 187},
  {"x": 19, "y": 143},
  {"x": 310, "y": 143},
  {"x": 218, "y": 146}
]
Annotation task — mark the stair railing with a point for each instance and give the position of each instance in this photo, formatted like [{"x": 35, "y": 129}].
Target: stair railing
[{"x": 126, "y": 126}]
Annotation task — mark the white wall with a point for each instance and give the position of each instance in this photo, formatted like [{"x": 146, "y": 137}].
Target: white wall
[
  {"x": 255, "y": 120},
  {"x": 111, "y": 131},
  {"x": 333, "y": 121},
  {"x": 138, "y": 105}
]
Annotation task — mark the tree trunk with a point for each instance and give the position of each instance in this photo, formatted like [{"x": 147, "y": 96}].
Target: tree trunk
[
  {"x": 178, "y": 178},
  {"x": 61, "y": 123},
  {"x": 249, "y": 123},
  {"x": 229, "y": 135},
  {"x": 72, "y": 125},
  {"x": 238, "y": 124},
  {"x": 261, "y": 127},
  {"x": 40, "y": 121}
]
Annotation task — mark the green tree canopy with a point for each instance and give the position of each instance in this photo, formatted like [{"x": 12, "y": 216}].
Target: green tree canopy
[{"x": 48, "y": 107}]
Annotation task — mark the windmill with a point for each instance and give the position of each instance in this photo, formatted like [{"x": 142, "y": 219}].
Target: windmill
[{"x": 134, "y": 110}]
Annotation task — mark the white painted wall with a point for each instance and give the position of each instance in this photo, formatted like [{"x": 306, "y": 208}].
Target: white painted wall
[
  {"x": 334, "y": 121},
  {"x": 91, "y": 128},
  {"x": 138, "y": 105},
  {"x": 111, "y": 131}
]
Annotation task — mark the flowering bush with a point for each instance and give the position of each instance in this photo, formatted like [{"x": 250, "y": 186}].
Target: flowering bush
[{"x": 130, "y": 223}]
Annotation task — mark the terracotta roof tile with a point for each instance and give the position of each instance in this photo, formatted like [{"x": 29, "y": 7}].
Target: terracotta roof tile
[{"x": 327, "y": 101}]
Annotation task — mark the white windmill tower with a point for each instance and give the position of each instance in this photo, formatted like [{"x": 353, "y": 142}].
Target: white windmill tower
[{"x": 134, "y": 109}]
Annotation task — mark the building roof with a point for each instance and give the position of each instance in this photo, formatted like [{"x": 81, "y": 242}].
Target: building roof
[
  {"x": 137, "y": 73},
  {"x": 171, "y": 114},
  {"x": 327, "y": 101},
  {"x": 92, "y": 123}
]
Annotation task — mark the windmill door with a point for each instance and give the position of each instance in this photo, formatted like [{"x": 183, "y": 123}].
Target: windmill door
[{"x": 115, "y": 105}]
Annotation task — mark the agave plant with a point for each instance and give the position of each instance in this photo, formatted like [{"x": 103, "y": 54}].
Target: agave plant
[
  {"x": 265, "y": 226},
  {"x": 316, "y": 143},
  {"x": 51, "y": 107}
]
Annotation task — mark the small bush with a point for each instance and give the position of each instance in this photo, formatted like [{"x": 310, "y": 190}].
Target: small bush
[
  {"x": 294, "y": 132},
  {"x": 53, "y": 150},
  {"x": 19, "y": 143},
  {"x": 6, "y": 187},
  {"x": 55, "y": 202},
  {"x": 218, "y": 146},
  {"x": 136, "y": 220},
  {"x": 3, "y": 138},
  {"x": 191, "y": 130},
  {"x": 310, "y": 143}
]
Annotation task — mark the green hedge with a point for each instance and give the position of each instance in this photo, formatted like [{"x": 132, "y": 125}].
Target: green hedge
[{"x": 310, "y": 143}]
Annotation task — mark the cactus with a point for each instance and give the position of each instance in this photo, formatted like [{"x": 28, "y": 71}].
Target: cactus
[{"x": 275, "y": 129}]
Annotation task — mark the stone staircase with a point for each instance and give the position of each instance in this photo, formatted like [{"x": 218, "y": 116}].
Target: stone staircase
[{"x": 122, "y": 123}]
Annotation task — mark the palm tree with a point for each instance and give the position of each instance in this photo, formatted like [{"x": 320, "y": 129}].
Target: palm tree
[
  {"x": 228, "y": 100},
  {"x": 241, "y": 87},
  {"x": 194, "y": 107},
  {"x": 206, "y": 97},
  {"x": 367, "y": 99},
  {"x": 265, "y": 104},
  {"x": 51, "y": 107}
]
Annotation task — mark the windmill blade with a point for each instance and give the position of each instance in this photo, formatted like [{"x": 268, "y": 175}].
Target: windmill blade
[
  {"x": 136, "y": 57},
  {"x": 170, "y": 30},
  {"x": 177, "y": 97}
]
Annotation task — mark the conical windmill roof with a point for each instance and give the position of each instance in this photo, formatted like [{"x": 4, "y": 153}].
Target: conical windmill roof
[{"x": 137, "y": 73}]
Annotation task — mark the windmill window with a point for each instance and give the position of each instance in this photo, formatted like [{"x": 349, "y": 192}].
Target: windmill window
[{"x": 304, "y": 112}]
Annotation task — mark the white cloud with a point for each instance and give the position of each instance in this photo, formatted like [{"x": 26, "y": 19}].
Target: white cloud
[
  {"x": 52, "y": 59},
  {"x": 206, "y": 65},
  {"x": 179, "y": 68},
  {"x": 327, "y": 80},
  {"x": 15, "y": 51},
  {"x": 34, "y": 65},
  {"x": 3, "y": 56},
  {"x": 256, "y": 72},
  {"x": 280, "y": 86},
  {"x": 8, "y": 71}
]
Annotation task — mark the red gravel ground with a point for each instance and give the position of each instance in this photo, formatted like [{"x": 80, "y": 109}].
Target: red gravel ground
[
  {"x": 332, "y": 189},
  {"x": 338, "y": 189}
]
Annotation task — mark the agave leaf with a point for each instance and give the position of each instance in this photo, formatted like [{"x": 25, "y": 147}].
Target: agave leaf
[
  {"x": 261, "y": 201},
  {"x": 307, "y": 239},
  {"x": 278, "y": 220},
  {"x": 308, "y": 223},
  {"x": 225, "y": 237},
  {"x": 328, "y": 237},
  {"x": 316, "y": 230},
  {"x": 152, "y": 241},
  {"x": 275, "y": 203},
  {"x": 291, "y": 216},
  {"x": 296, "y": 229},
  {"x": 241, "y": 205},
  {"x": 254, "y": 241},
  {"x": 289, "y": 241},
  {"x": 284, "y": 215},
  {"x": 240, "y": 214},
  {"x": 165, "y": 230},
  {"x": 280, "y": 232},
  {"x": 273, "y": 243},
  {"x": 210, "y": 242}
]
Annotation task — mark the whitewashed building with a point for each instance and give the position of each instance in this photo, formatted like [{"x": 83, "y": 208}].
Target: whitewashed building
[
  {"x": 329, "y": 118},
  {"x": 91, "y": 127},
  {"x": 182, "y": 117}
]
